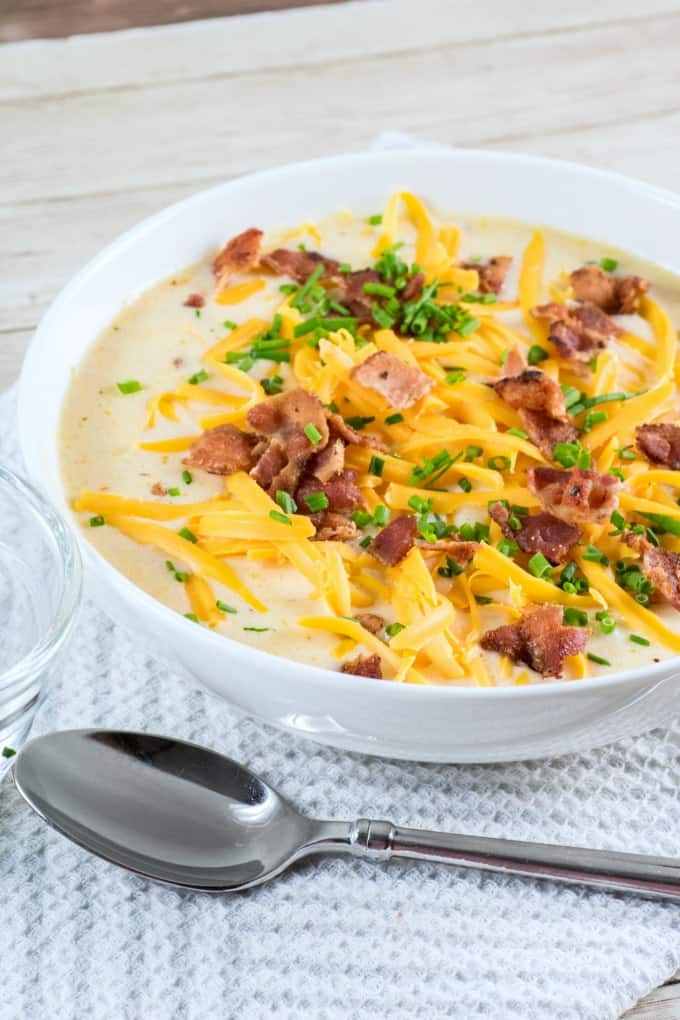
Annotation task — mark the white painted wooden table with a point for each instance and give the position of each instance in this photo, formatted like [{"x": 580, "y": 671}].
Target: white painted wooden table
[{"x": 99, "y": 131}]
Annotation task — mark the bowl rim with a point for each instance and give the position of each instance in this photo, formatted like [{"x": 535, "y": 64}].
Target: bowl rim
[
  {"x": 67, "y": 553},
  {"x": 317, "y": 674}
]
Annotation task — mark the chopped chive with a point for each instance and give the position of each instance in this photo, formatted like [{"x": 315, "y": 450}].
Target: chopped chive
[
  {"x": 465, "y": 484},
  {"x": 392, "y": 629},
  {"x": 514, "y": 523},
  {"x": 539, "y": 566},
  {"x": 376, "y": 466},
  {"x": 609, "y": 265},
  {"x": 627, "y": 453},
  {"x": 181, "y": 576},
  {"x": 520, "y": 433},
  {"x": 170, "y": 565},
  {"x": 188, "y": 535},
  {"x": 504, "y": 355},
  {"x": 575, "y": 617},
  {"x": 344, "y": 267},
  {"x": 286, "y": 502},
  {"x": 483, "y": 600},
  {"x": 507, "y": 547},
  {"x": 312, "y": 433},
  {"x": 394, "y": 419},
  {"x": 472, "y": 452},
  {"x": 375, "y": 220},
  {"x": 130, "y": 386},
  {"x": 594, "y": 555},
  {"x": 379, "y": 289},
  {"x": 381, "y": 516},
  {"x": 365, "y": 542},
  {"x": 457, "y": 375},
  {"x": 198, "y": 377},
  {"x": 192, "y": 617},
  {"x": 598, "y": 659},
  {"x": 224, "y": 608},
  {"x": 606, "y": 621},
  {"x": 258, "y": 630},
  {"x": 571, "y": 396},
  {"x": 639, "y": 640},
  {"x": 187, "y": 477},
  {"x": 593, "y": 418},
  {"x": 358, "y": 423},
  {"x": 662, "y": 523},
  {"x": 361, "y": 518},
  {"x": 317, "y": 501},
  {"x": 499, "y": 463},
  {"x": 8, "y": 752},
  {"x": 276, "y": 515},
  {"x": 228, "y": 324},
  {"x": 173, "y": 492},
  {"x": 536, "y": 354},
  {"x": 97, "y": 521}
]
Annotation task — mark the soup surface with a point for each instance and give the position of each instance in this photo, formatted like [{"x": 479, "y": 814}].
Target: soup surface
[{"x": 443, "y": 451}]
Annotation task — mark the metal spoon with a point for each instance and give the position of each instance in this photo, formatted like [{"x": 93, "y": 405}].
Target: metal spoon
[{"x": 185, "y": 815}]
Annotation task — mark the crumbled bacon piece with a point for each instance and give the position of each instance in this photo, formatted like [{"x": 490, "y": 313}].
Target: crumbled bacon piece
[
  {"x": 299, "y": 264},
  {"x": 177, "y": 362},
  {"x": 660, "y": 566},
  {"x": 349, "y": 291},
  {"x": 364, "y": 665},
  {"x": 617, "y": 295},
  {"x": 340, "y": 429},
  {"x": 660, "y": 444},
  {"x": 400, "y": 384},
  {"x": 515, "y": 363},
  {"x": 491, "y": 274},
  {"x": 341, "y": 491},
  {"x": 222, "y": 451},
  {"x": 282, "y": 420},
  {"x": 460, "y": 552},
  {"x": 539, "y": 639},
  {"x": 371, "y": 622},
  {"x": 532, "y": 390},
  {"x": 238, "y": 255},
  {"x": 158, "y": 489},
  {"x": 575, "y": 496},
  {"x": 195, "y": 301},
  {"x": 413, "y": 288},
  {"x": 330, "y": 461},
  {"x": 539, "y": 532},
  {"x": 541, "y": 407},
  {"x": 578, "y": 331},
  {"x": 335, "y": 528},
  {"x": 394, "y": 541}
]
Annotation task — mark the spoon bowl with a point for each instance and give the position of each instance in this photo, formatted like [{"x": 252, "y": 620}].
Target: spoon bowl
[
  {"x": 190, "y": 817},
  {"x": 163, "y": 808}
]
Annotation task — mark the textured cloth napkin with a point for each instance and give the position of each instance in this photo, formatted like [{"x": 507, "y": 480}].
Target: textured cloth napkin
[{"x": 334, "y": 938}]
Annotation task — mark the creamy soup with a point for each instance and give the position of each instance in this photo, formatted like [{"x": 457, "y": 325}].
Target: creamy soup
[{"x": 537, "y": 533}]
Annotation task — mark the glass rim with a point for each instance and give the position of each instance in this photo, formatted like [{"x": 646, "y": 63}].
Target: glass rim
[{"x": 67, "y": 556}]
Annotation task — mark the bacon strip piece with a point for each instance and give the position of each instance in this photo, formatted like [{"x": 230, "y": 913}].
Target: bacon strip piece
[
  {"x": 660, "y": 444},
  {"x": 460, "y": 552},
  {"x": 396, "y": 540},
  {"x": 578, "y": 331},
  {"x": 364, "y": 665},
  {"x": 286, "y": 448},
  {"x": 575, "y": 496},
  {"x": 538, "y": 533},
  {"x": 238, "y": 255},
  {"x": 400, "y": 384},
  {"x": 371, "y": 622},
  {"x": 339, "y": 427},
  {"x": 539, "y": 639},
  {"x": 541, "y": 407},
  {"x": 660, "y": 566},
  {"x": 195, "y": 301},
  {"x": 222, "y": 451},
  {"x": 492, "y": 273},
  {"x": 616, "y": 295},
  {"x": 299, "y": 264},
  {"x": 349, "y": 291}
]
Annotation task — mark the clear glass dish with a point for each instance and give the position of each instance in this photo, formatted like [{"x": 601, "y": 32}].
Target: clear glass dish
[{"x": 40, "y": 589}]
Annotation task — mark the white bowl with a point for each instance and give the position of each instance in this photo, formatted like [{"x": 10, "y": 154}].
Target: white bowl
[{"x": 434, "y": 723}]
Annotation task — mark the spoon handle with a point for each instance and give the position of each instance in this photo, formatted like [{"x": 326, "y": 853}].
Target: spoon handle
[{"x": 655, "y": 877}]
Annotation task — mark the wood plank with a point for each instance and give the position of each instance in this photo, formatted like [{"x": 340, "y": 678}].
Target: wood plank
[
  {"x": 225, "y": 48},
  {"x": 49, "y": 19},
  {"x": 661, "y": 1004}
]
